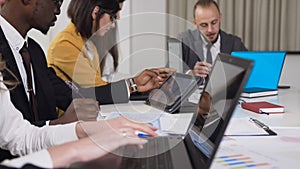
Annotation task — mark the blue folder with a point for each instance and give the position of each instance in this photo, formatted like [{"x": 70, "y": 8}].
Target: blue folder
[{"x": 267, "y": 68}]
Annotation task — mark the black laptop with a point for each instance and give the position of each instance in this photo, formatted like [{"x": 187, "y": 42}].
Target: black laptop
[{"x": 216, "y": 105}]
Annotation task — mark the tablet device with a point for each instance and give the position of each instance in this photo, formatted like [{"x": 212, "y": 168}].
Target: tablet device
[{"x": 173, "y": 92}]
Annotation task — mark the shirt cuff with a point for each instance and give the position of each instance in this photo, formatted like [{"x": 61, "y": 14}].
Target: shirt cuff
[
  {"x": 189, "y": 72},
  {"x": 67, "y": 134},
  {"x": 41, "y": 159},
  {"x": 48, "y": 123},
  {"x": 128, "y": 91}
]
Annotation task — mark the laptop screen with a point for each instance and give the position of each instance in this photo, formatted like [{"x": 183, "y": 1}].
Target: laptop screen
[
  {"x": 216, "y": 105},
  {"x": 267, "y": 68}
]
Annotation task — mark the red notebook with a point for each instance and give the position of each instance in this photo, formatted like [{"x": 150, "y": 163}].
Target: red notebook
[{"x": 263, "y": 107}]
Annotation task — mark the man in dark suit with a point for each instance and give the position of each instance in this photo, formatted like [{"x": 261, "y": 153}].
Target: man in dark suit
[
  {"x": 201, "y": 46},
  {"x": 20, "y": 16}
]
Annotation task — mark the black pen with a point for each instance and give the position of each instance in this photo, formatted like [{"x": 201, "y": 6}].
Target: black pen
[{"x": 263, "y": 126}]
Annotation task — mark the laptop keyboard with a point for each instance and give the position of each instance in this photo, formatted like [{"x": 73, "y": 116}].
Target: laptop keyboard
[{"x": 152, "y": 156}]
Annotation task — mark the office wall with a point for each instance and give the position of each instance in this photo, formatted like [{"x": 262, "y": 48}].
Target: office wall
[{"x": 139, "y": 50}]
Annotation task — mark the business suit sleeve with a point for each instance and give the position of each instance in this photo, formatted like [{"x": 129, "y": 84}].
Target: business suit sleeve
[
  {"x": 189, "y": 57},
  {"x": 63, "y": 94},
  {"x": 116, "y": 92}
]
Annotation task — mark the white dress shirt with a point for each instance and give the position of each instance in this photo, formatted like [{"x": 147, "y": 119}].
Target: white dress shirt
[
  {"x": 20, "y": 137},
  {"x": 215, "y": 48},
  {"x": 108, "y": 70},
  {"x": 41, "y": 159}
]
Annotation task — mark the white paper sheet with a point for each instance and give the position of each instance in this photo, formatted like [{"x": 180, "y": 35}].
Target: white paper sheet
[
  {"x": 243, "y": 127},
  {"x": 281, "y": 151}
]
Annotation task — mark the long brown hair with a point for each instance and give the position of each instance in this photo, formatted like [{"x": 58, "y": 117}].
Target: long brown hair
[{"x": 3, "y": 67}]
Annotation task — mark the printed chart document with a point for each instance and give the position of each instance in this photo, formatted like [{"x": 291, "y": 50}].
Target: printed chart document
[{"x": 260, "y": 152}]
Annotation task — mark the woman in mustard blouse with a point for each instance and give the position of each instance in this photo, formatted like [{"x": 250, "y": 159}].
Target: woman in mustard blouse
[{"x": 72, "y": 53}]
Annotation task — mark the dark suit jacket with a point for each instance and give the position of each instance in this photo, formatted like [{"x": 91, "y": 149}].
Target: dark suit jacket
[
  {"x": 192, "y": 46},
  {"x": 51, "y": 91}
]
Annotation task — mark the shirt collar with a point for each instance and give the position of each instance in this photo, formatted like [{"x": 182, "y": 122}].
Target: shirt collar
[
  {"x": 217, "y": 44},
  {"x": 14, "y": 38}
]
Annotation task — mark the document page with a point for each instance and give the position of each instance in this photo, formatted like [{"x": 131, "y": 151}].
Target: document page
[
  {"x": 243, "y": 127},
  {"x": 281, "y": 151}
]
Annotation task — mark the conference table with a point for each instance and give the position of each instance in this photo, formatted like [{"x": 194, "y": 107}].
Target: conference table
[
  {"x": 280, "y": 151},
  {"x": 252, "y": 151}
]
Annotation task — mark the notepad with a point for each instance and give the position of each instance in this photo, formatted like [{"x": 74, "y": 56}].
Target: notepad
[
  {"x": 258, "y": 92},
  {"x": 263, "y": 107}
]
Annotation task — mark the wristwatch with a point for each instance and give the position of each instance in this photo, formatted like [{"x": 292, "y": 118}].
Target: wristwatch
[{"x": 132, "y": 85}]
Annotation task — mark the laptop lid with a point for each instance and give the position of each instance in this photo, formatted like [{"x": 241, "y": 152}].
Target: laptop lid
[
  {"x": 267, "y": 68},
  {"x": 216, "y": 105}
]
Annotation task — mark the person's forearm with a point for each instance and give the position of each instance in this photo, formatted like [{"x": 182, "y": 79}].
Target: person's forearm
[
  {"x": 80, "y": 131},
  {"x": 77, "y": 151},
  {"x": 69, "y": 156}
]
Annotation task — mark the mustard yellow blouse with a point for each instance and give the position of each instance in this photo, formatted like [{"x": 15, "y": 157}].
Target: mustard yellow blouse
[{"x": 68, "y": 52}]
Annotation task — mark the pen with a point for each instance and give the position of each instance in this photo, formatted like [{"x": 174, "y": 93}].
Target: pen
[
  {"x": 263, "y": 126},
  {"x": 141, "y": 135},
  {"x": 74, "y": 88}
]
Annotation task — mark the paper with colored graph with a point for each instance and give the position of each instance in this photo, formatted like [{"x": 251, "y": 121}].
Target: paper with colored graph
[{"x": 260, "y": 152}]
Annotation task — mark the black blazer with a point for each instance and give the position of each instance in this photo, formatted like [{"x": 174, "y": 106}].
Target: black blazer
[
  {"x": 51, "y": 91},
  {"x": 192, "y": 46}
]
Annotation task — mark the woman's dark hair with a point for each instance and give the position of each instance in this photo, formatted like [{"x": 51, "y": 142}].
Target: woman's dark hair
[
  {"x": 80, "y": 13},
  {"x": 114, "y": 50}
]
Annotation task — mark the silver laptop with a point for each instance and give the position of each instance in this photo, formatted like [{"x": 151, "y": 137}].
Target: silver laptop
[{"x": 216, "y": 105}]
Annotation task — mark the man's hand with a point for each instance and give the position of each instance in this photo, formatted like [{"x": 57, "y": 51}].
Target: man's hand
[
  {"x": 152, "y": 78},
  {"x": 202, "y": 69},
  {"x": 79, "y": 109}
]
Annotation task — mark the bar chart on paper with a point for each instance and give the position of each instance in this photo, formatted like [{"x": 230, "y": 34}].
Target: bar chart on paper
[
  {"x": 237, "y": 161},
  {"x": 232, "y": 155}
]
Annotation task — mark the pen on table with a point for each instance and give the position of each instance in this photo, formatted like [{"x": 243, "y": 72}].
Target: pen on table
[{"x": 263, "y": 126}]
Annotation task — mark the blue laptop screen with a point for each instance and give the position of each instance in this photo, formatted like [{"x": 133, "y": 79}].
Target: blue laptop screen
[{"x": 267, "y": 68}]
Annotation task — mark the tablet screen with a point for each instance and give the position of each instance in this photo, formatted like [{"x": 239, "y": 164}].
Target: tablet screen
[{"x": 175, "y": 90}]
